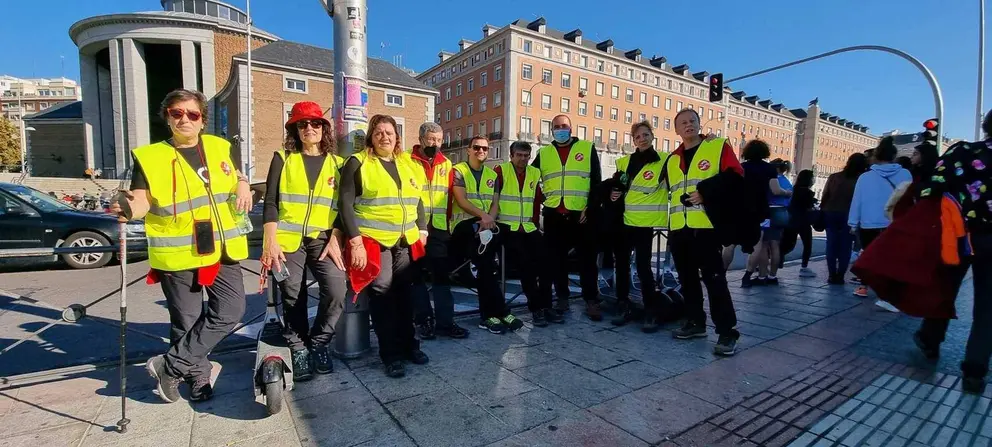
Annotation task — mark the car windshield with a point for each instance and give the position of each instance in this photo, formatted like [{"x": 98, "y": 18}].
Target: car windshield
[{"x": 37, "y": 198}]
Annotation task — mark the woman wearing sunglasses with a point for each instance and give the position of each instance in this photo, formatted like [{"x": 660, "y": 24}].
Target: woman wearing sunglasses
[
  {"x": 189, "y": 191},
  {"x": 299, "y": 213}
]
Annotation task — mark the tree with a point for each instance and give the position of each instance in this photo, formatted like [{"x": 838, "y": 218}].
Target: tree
[{"x": 10, "y": 144}]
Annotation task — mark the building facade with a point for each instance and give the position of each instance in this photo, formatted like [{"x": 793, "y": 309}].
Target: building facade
[
  {"x": 52, "y": 146},
  {"x": 826, "y": 141},
  {"x": 21, "y": 97}
]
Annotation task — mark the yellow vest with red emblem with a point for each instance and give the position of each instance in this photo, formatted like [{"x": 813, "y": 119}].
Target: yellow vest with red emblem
[
  {"x": 568, "y": 183},
  {"x": 646, "y": 202},
  {"x": 516, "y": 204},
  {"x": 480, "y": 194},
  {"x": 304, "y": 211},
  {"x": 436, "y": 195},
  {"x": 386, "y": 212},
  {"x": 179, "y": 197},
  {"x": 705, "y": 164}
]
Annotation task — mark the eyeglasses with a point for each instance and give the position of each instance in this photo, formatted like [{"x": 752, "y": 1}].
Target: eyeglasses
[
  {"x": 477, "y": 147},
  {"x": 177, "y": 114},
  {"x": 302, "y": 124}
]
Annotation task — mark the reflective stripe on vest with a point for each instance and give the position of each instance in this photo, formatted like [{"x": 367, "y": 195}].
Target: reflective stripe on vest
[
  {"x": 179, "y": 197},
  {"x": 435, "y": 194},
  {"x": 302, "y": 211},
  {"x": 479, "y": 194},
  {"x": 705, "y": 164},
  {"x": 384, "y": 212},
  {"x": 568, "y": 184},
  {"x": 646, "y": 201},
  {"x": 516, "y": 206}
]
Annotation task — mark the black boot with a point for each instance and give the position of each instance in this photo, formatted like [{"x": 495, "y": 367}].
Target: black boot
[
  {"x": 624, "y": 314},
  {"x": 302, "y": 369},
  {"x": 973, "y": 381}
]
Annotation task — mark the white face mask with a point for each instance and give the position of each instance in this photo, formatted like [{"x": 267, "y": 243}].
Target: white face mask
[{"x": 486, "y": 236}]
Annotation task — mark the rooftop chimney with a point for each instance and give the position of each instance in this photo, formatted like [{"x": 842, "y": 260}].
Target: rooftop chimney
[
  {"x": 658, "y": 61},
  {"x": 634, "y": 55},
  {"x": 574, "y": 36},
  {"x": 538, "y": 25},
  {"x": 488, "y": 30},
  {"x": 463, "y": 44},
  {"x": 443, "y": 55},
  {"x": 606, "y": 45},
  {"x": 681, "y": 69}
]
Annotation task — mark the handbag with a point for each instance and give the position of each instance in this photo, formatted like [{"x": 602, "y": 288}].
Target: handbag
[{"x": 817, "y": 219}]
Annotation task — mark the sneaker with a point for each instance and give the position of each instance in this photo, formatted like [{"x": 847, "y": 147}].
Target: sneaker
[
  {"x": 427, "y": 330},
  {"x": 455, "y": 331},
  {"x": 855, "y": 280},
  {"x": 746, "y": 281},
  {"x": 771, "y": 281},
  {"x": 760, "y": 281},
  {"x": 538, "y": 318},
  {"x": 973, "y": 385},
  {"x": 624, "y": 316},
  {"x": 861, "y": 291},
  {"x": 806, "y": 272},
  {"x": 200, "y": 389},
  {"x": 167, "y": 386},
  {"x": 553, "y": 316},
  {"x": 417, "y": 357},
  {"x": 561, "y": 305},
  {"x": 395, "y": 369},
  {"x": 885, "y": 305},
  {"x": 302, "y": 369},
  {"x": 726, "y": 346},
  {"x": 929, "y": 352},
  {"x": 494, "y": 325},
  {"x": 689, "y": 330},
  {"x": 836, "y": 280},
  {"x": 322, "y": 363},
  {"x": 650, "y": 324},
  {"x": 513, "y": 323},
  {"x": 593, "y": 311}
]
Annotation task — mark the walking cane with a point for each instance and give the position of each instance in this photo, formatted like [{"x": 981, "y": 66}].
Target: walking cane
[{"x": 122, "y": 240}]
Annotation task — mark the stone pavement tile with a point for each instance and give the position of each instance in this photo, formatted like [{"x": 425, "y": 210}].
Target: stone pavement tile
[
  {"x": 341, "y": 379},
  {"x": 484, "y": 343},
  {"x": 516, "y": 358},
  {"x": 576, "y": 428},
  {"x": 763, "y": 435},
  {"x": 576, "y": 385},
  {"x": 701, "y": 435},
  {"x": 805, "y": 346},
  {"x": 772, "y": 322},
  {"x": 773, "y": 364},
  {"x": 759, "y": 331},
  {"x": 655, "y": 412},
  {"x": 830, "y": 330},
  {"x": 721, "y": 383},
  {"x": 483, "y": 381},
  {"x": 808, "y": 418},
  {"x": 447, "y": 418},
  {"x": 51, "y": 405},
  {"x": 754, "y": 426},
  {"x": 418, "y": 380},
  {"x": 943, "y": 437},
  {"x": 69, "y": 434},
  {"x": 148, "y": 415},
  {"x": 877, "y": 439},
  {"x": 784, "y": 437},
  {"x": 530, "y": 409},
  {"x": 806, "y": 439},
  {"x": 772, "y": 311},
  {"x": 636, "y": 374},
  {"x": 285, "y": 438},
  {"x": 234, "y": 417},
  {"x": 158, "y": 439},
  {"x": 443, "y": 349},
  {"x": 675, "y": 361},
  {"x": 909, "y": 427},
  {"x": 348, "y": 417},
  {"x": 804, "y": 317},
  {"x": 586, "y": 355},
  {"x": 825, "y": 425},
  {"x": 856, "y": 437}
]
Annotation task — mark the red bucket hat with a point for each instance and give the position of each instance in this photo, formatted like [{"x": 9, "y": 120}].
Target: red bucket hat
[{"x": 306, "y": 110}]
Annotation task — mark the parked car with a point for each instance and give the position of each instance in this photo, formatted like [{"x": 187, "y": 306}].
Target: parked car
[{"x": 32, "y": 219}]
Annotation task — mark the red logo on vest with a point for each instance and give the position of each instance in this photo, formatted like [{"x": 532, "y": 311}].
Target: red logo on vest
[
  {"x": 330, "y": 182},
  {"x": 413, "y": 183},
  {"x": 491, "y": 183},
  {"x": 704, "y": 165},
  {"x": 579, "y": 157},
  {"x": 531, "y": 185},
  {"x": 225, "y": 167},
  {"x": 442, "y": 172},
  {"x": 648, "y": 175}
]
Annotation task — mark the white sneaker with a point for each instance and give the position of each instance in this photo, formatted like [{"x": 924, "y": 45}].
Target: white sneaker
[
  {"x": 806, "y": 272},
  {"x": 885, "y": 305}
]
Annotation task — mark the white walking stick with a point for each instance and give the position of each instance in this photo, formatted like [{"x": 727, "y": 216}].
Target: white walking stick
[{"x": 122, "y": 240}]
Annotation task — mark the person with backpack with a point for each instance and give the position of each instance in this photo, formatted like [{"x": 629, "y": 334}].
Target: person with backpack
[{"x": 871, "y": 194}]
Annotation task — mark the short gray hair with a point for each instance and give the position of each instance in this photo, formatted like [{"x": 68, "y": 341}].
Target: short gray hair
[{"x": 430, "y": 127}]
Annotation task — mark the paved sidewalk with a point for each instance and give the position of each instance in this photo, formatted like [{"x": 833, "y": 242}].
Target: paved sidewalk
[{"x": 819, "y": 367}]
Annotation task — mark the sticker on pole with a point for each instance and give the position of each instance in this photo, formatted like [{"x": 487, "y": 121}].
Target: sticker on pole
[
  {"x": 354, "y": 55},
  {"x": 354, "y": 13},
  {"x": 356, "y": 92}
]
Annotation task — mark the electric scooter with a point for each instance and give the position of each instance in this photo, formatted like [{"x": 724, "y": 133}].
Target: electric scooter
[{"x": 273, "y": 359}]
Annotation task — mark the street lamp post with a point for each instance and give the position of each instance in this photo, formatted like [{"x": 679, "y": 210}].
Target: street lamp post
[{"x": 979, "y": 112}]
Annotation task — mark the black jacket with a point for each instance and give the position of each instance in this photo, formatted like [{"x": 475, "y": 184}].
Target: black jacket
[{"x": 729, "y": 209}]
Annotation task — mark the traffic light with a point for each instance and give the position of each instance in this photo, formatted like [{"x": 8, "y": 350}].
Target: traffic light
[
  {"x": 716, "y": 87},
  {"x": 931, "y": 133}
]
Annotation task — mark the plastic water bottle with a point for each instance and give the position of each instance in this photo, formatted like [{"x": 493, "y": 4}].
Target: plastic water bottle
[{"x": 241, "y": 219}]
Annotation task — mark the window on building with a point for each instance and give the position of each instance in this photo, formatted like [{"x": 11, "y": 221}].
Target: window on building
[
  {"x": 471, "y": 84},
  {"x": 654, "y": 122},
  {"x": 679, "y": 106},
  {"x": 296, "y": 85},
  {"x": 711, "y": 114},
  {"x": 583, "y": 84},
  {"x": 458, "y": 89},
  {"x": 566, "y": 80},
  {"x": 601, "y": 66},
  {"x": 598, "y": 111},
  {"x": 471, "y": 108},
  {"x": 447, "y": 116},
  {"x": 525, "y": 124},
  {"x": 447, "y": 94},
  {"x": 566, "y": 56},
  {"x": 615, "y": 92},
  {"x": 628, "y": 117},
  {"x": 566, "y": 105},
  {"x": 497, "y": 124},
  {"x": 482, "y": 127},
  {"x": 614, "y": 114},
  {"x": 641, "y": 117},
  {"x": 526, "y": 72},
  {"x": 582, "y": 132},
  {"x": 668, "y": 103},
  {"x": 656, "y": 101},
  {"x": 546, "y": 102},
  {"x": 667, "y": 144},
  {"x": 597, "y": 135},
  {"x": 668, "y": 124},
  {"x": 644, "y": 98},
  {"x": 525, "y": 98},
  {"x": 548, "y": 52},
  {"x": 498, "y": 72},
  {"x": 497, "y": 98},
  {"x": 394, "y": 100},
  {"x": 630, "y": 95},
  {"x": 702, "y": 112},
  {"x": 546, "y": 76},
  {"x": 613, "y": 137},
  {"x": 482, "y": 103},
  {"x": 484, "y": 79},
  {"x": 584, "y": 61},
  {"x": 545, "y": 127},
  {"x": 528, "y": 46},
  {"x": 458, "y": 113},
  {"x": 599, "y": 88},
  {"x": 626, "y": 138},
  {"x": 469, "y": 131}
]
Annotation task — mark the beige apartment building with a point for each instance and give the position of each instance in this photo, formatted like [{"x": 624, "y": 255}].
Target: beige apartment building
[
  {"x": 21, "y": 97},
  {"x": 826, "y": 141},
  {"x": 510, "y": 84}
]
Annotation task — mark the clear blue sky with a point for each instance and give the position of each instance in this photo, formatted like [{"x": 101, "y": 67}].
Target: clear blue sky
[{"x": 875, "y": 89}]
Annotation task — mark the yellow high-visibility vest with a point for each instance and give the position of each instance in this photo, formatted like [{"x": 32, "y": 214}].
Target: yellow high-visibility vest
[
  {"x": 646, "y": 202},
  {"x": 568, "y": 183},
  {"x": 303, "y": 211},
  {"x": 480, "y": 194},
  {"x": 516, "y": 204},
  {"x": 386, "y": 212},
  {"x": 179, "y": 197},
  {"x": 436, "y": 194},
  {"x": 705, "y": 164}
]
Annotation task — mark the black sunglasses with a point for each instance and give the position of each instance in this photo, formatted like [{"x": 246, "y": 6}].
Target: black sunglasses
[
  {"x": 316, "y": 124},
  {"x": 480, "y": 148}
]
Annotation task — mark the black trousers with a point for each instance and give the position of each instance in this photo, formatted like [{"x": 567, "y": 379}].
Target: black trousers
[
  {"x": 526, "y": 252},
  {"x": 391, "y": 305},
  {"x": 636, "y": 240},
  {"x": 439, "y": 264},
  {"x": 195, "y": 332},
  {"x": 562, "y": 233},
  {"x": 295, "y": 297},
  {"x": 699, "y": 251},
  {"x": 465, "y": 244}
]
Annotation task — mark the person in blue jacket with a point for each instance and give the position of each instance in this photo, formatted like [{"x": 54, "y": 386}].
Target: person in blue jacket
[{"x": 867, "y": 215}]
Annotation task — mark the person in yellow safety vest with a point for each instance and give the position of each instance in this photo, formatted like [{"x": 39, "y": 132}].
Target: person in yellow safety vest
[
  {"x": 475, "y": 205},
  {"x": 438, "y": 174},
  {"x": 570, "y": 173},
  {"x": 300, "y": 208},
  {"x": 381, "y": 206},
  {"x": 519, "y": 188},
  {"x": 190, "y": 193},
  {"x": 645, "y": 208},
  {"x": 692, "y": 240}
]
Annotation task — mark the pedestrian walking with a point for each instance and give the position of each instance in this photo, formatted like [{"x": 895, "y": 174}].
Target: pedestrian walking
[
  {"x": 764, "y": 181},
  {"x": 835, "y": 203},
  {"x": 190, "y": 193},
  {"x": 298, "y": 221},
  {"x": 801, "y": 206}
]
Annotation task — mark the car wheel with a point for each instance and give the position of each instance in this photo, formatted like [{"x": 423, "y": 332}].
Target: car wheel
[{"x": 87, "y": 260}]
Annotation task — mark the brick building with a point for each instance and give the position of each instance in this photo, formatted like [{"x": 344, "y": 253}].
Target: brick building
[
  {"x": 826, "y": 141},
  {"x": 22, "y": 97}
]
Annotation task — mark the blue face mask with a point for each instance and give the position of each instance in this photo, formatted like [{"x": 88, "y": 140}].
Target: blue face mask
[{"x": 562, "y": 135}]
